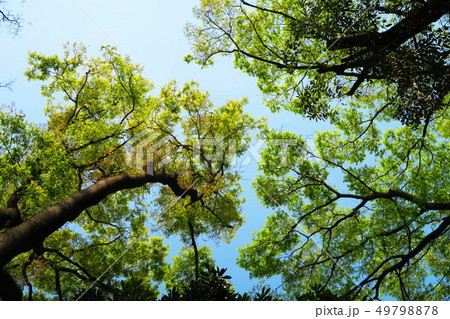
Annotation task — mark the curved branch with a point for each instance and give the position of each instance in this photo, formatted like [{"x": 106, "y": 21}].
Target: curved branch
[
  {"x": 120, "y": 229},
  {"x": 8, "y": 18},
  {"x": 23, "y": 237},
  {"x": 415, "y": 22},
  {"x": 269, "y": 10},
  {"x": 442, "y": 228},
  {"x": 376, "y": 46},
  {"x": 88, "y": 277}
]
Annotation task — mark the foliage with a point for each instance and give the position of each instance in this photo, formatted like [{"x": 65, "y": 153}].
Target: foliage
[
  {"x": 363, "y": 215},
  {"x": 319, "y": 294},
  {"x": 183, "y": 266},
  {"x": 128, "y": 290},
  {"x": 100, "y": 110},
  {"x": 211, "y": 285},
  {"x": 341, "y": 47}
]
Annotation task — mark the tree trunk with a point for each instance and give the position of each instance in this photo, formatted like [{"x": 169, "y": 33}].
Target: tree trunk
[{"x": 9, "y": 290}]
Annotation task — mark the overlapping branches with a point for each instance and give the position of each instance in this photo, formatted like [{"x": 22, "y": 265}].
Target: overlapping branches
[{"x": 410, "y": 54}]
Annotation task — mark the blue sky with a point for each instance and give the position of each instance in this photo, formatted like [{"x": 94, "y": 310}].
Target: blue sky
[{"x": 151, "y": 32}]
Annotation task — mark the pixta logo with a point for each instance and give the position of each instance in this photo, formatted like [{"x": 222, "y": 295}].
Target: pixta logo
[
  {"x": 151, "y": 151},
  {"x": 148, "y": 151}
]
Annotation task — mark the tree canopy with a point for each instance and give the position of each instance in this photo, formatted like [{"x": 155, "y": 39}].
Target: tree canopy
[
  {"x": 366, "y": 213},
  {"x": 343, "y": 47},
  {"x": 73, "y": 197},
  {"x": 362, "y": 215}
]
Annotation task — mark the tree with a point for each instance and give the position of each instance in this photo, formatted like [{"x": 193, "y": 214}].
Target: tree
[
  {"x": 209, "y": 284},
  {"x": 365, "y": 214},
  {"x": 183, "y": 282},
  {"x": 402, "y": 45},
  {"x": 77, "y": 211}
]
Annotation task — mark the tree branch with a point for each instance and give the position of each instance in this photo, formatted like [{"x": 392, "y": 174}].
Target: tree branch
[
  {"x": 442, "y": 228},
  {"x": 88, "y": 277},
  {"x": 11, "y": 216},
  {"x": 194, "y": 244},
  {"x": 268, "y": 10},
  {"x": 414, "y": 22},
  {"x": 9, "y": 290},
  {"x": 23, "y": 237}
]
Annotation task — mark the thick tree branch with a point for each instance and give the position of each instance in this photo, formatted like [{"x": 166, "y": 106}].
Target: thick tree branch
[
  {"x": 414, "y": 22},
  {"x": 23, "y": 237},
  {"x": 9, "y": 217},
  {"x": 375, "y": 46}
]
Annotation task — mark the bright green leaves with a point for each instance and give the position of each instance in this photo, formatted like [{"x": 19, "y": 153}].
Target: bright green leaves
[
  {"x": 102, "y": 121},
  {"x": 16, "y": 141},
  {"x": 223, "y": 12},
  {"x": 307, "y": 53},
  {"x": 284, "y": 151},
  {"x": 200, "y": 144},
  {"x": 124, "y": 269},
  {"x": 99, "y": 97},
  {"x": 33, "y": 164},
  {"x": 280, "y": 43},
  {"x": 182, "y": 268},
  {"x": 16, "y": 137},
  {"x": 349, "y": 234},
  {"x": 287, "y": 163},
  {"x": 97, "y": 106},
  {"x": 263, "y": 256},
  {"x": 334, "y": 227}
]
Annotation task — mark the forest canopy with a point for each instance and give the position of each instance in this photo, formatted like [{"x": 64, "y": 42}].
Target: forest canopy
[{"x": 364, "y": 215}]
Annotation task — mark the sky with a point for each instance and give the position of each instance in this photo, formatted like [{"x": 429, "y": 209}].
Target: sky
[{"x": 151, "y": 33}]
